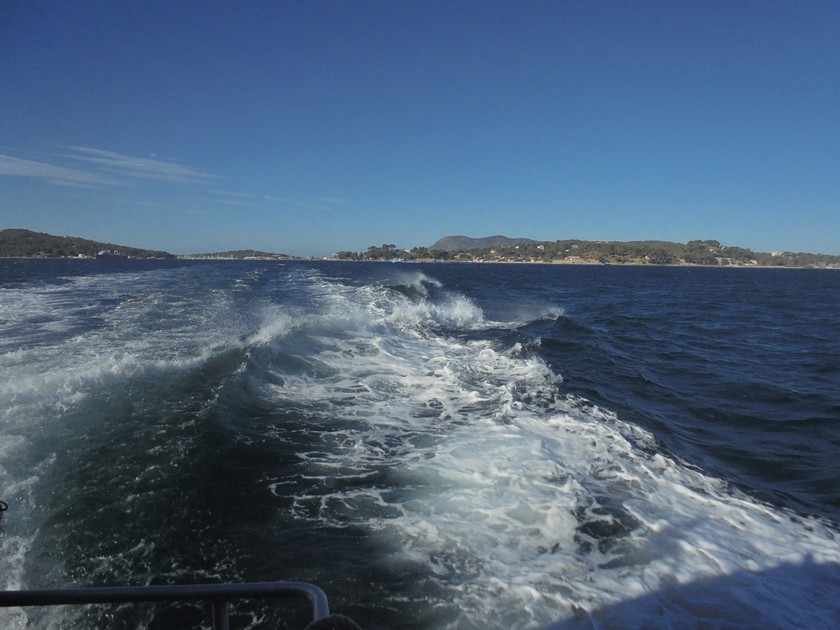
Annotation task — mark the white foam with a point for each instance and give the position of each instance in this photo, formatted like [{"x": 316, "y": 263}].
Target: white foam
[
  {"x": 416, "y": 280},
  {"x": 525, "y": 507},
  {"x": 528, "y": 507},
  {"x": 87, "y": 336},
  {"x": 126, "y": 324}
]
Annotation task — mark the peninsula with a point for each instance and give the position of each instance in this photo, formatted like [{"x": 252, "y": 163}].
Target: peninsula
[
  {"x": 503, "y": 249},
  {"x": 19, "y": 243}
]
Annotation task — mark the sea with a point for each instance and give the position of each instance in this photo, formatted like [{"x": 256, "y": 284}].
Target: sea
[{"x": 459, "y": 446}]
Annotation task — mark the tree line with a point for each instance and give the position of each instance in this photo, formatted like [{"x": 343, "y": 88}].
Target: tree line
[{"x": 697, "y": 252}]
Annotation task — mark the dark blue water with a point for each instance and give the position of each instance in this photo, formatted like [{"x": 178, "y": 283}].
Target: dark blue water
[
  {"x": 455, "y": 445},
  {"x": 736, "y": 371}
]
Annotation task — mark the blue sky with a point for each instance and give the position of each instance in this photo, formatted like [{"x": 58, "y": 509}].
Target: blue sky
[{"x": 310, "y": 127}]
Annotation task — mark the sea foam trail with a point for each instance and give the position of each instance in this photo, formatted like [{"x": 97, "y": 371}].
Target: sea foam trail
[
  {"x": 456, "y": 450},
  {"x": 525, "y": 506},
  {"x": 67, "y": 352}
]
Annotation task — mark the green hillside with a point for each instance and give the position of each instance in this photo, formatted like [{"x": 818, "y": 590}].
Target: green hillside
[
  {"x": 17, "y": 243},
  {"x": 707, "y": 253}
]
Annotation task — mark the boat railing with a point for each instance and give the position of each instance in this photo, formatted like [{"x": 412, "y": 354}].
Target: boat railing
[{"x": 218, "y": 595}]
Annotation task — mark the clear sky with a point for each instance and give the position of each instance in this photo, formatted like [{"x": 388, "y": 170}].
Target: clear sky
[{"x": 313, "y": 126}]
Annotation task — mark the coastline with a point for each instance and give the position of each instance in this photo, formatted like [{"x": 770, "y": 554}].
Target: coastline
[
  {"x": 576, "y": 263},
  {"x": 572, "y": 264},
  {"x": 26, "y": 244}
]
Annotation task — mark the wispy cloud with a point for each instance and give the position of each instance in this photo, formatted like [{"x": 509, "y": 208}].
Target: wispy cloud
[
  {"x": 256, "y": 200},
  {"x": 234, "y": 198},
  {"x": 312, "y": 206},
  {"x": 54, "y": 174},
  {"x": 87, "y": 167},
  {"x": 241, "y": 203},
  {"x": 139, "y": 167}
]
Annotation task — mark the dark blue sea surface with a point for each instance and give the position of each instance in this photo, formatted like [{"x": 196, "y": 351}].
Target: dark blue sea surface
[{"x": 436, "y": 446}]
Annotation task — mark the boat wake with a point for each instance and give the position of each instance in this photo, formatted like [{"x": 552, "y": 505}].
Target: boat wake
[{"x": 379, "y": 430}]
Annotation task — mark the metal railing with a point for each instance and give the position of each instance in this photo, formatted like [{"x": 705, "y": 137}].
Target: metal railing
[{"x": 218, "y": 595}]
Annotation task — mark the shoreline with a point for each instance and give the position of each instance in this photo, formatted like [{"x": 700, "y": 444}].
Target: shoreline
[{"x": 577, "y": 263}]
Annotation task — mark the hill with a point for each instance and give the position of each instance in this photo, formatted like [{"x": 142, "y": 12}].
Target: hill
[
  {"x": 18, "y": 243},
  {"x": 697, "y": 252},
  {"x": 573, "y": 251},
  {"x": 465, "y": 243}
]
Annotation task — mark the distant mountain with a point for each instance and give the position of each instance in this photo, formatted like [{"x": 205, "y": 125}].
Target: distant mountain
[
  {"x": 17, "y": 243},
  {"x": 464, "y": 243}
]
